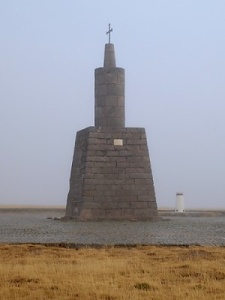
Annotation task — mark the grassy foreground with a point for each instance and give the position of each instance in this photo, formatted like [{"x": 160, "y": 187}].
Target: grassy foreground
[{"x": 142, "y": 272}]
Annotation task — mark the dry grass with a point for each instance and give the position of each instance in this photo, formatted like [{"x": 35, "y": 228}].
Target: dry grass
[{"x": 143, "y": 272}]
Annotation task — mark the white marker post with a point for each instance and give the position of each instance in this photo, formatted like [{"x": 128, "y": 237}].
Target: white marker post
[{"x": 179, "y": 203}]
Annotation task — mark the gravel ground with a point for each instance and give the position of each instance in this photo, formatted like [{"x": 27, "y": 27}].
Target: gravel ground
[{"x": 39, "y": 226}]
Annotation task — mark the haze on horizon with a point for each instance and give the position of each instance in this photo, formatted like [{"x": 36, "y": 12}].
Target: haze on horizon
[{"x": 173, "y": 53}]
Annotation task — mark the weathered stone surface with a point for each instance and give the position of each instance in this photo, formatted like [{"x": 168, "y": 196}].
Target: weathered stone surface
[
  {"x": 111, "y": 177},
  {"x": 109, "y": 97},
  {"x": 107, "y": 194}
]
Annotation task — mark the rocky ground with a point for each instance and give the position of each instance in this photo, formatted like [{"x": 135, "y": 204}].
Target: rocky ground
[{"x": 39, "y": 225}]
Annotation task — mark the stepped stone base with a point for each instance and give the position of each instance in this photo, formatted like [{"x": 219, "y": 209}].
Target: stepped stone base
[{"x": 111, "y": 176}]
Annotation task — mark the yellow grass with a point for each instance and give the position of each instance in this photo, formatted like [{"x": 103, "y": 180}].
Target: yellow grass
[{"x": 143, "y": 272}]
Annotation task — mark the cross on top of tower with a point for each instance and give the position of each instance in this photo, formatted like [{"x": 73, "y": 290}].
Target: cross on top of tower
[{"x": 109, "y": 31}]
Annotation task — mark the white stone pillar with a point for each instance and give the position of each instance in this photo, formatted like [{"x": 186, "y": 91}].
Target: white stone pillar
[{"x": 179, "y": 203}]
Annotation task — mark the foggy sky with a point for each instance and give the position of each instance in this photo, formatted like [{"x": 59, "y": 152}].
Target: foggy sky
[{"x": 173, "y": 53}]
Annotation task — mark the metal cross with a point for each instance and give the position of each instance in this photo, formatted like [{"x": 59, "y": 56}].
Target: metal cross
[{"x": 109, "y": 32}]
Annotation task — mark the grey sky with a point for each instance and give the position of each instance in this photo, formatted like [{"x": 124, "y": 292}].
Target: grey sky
[{"x": 174, "y": 56}]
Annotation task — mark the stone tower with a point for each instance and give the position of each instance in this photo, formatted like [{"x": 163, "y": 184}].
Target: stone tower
[{"x": 111, "y": 177}]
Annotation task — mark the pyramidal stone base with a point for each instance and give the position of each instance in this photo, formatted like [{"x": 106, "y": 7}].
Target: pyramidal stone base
[{"x": 111, "y": 177}]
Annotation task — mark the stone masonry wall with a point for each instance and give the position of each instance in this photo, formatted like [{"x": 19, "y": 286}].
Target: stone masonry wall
[
  {"x": 111, "y": 176},
  {"x": 110, "y": 97}
]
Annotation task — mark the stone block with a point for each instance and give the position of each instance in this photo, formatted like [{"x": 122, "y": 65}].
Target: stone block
[
  {"x": 138, "y": 204},
  {"x": 111, "y": 78},
  {"x": 99, "y": 102},
  {"x": 100, "y": 79},
  {"x": 121, "y": 79},
  {"x": 110, "y": 101},
  {"x": 120, "y": 101},
  {"x": 101, "y": 90}
]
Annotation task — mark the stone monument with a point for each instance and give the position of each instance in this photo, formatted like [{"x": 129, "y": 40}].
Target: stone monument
[{"x": 111, "y": 177}]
